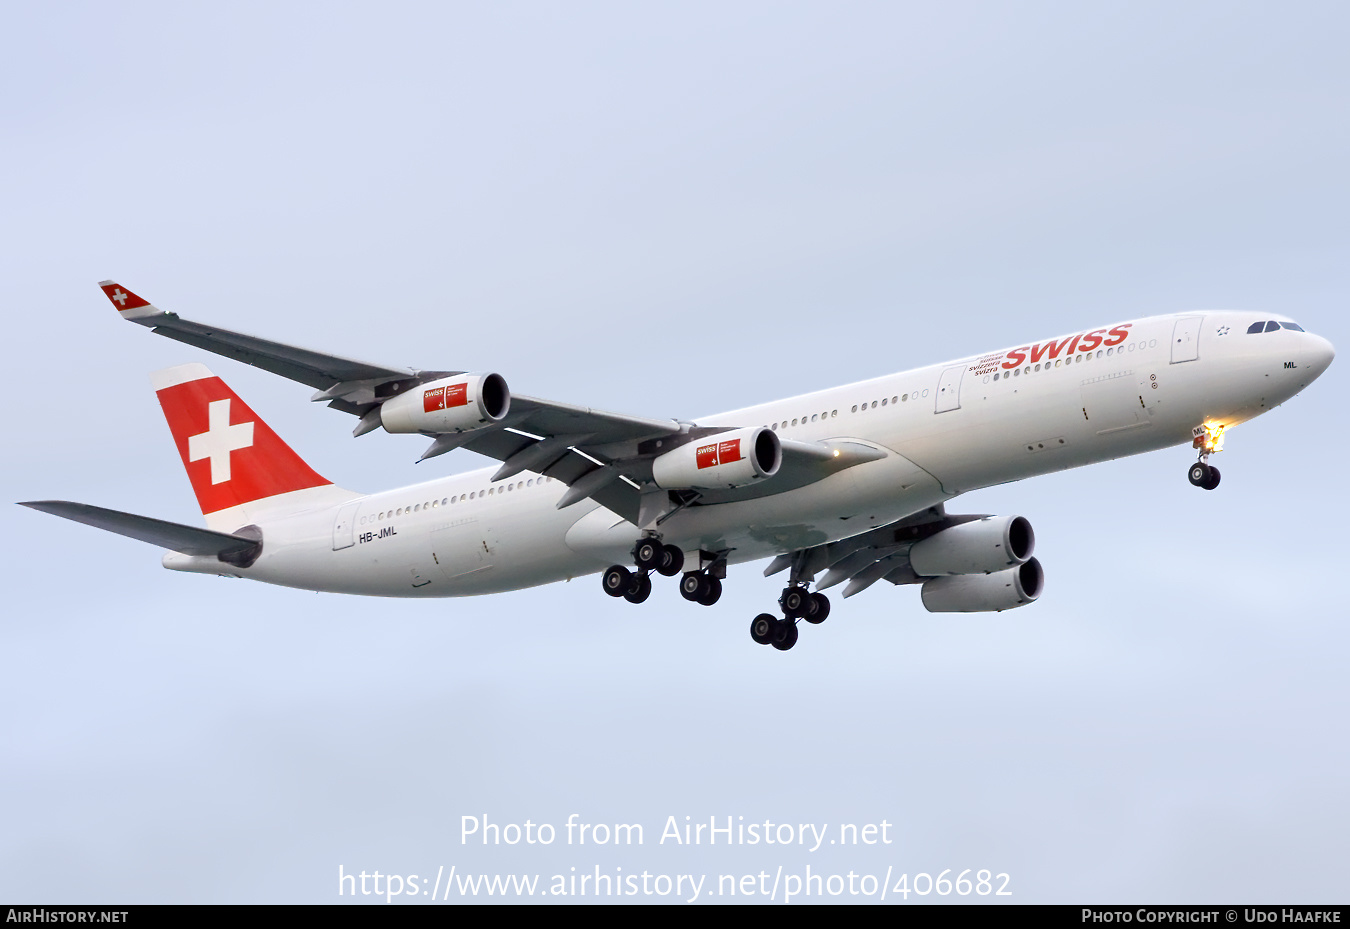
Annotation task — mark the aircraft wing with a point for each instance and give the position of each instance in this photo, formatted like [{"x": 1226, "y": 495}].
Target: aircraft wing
[
  {"x": 600, "y": 455},
  {"x": 881, "y": 554},
  {"x": 556, "y": 435}
]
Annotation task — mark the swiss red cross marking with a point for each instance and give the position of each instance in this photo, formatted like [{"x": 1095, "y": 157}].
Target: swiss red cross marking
[
  {"x": 120, "y": 296},
  {"x": 219, "y": 439}
]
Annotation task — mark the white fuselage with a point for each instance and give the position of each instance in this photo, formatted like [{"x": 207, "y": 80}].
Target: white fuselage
[{"x": 946, "y": 429}]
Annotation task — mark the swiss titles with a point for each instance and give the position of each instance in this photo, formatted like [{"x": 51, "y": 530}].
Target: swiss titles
[{"x": 1082, "y": 342}]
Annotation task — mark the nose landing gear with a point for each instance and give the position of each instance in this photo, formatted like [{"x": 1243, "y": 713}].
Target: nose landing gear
[
  {"x": 1208, "y": 438},
  {"x": 1204, "y": 475}
]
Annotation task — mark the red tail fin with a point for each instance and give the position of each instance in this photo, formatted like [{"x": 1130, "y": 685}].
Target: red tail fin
[{"x": 231, "y": 456}]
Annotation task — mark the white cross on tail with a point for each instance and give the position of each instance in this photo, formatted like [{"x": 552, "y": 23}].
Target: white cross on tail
[{"x": 219, "y": 439}]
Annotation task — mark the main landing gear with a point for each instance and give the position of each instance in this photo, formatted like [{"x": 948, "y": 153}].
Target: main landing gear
[
  {"x": 797, "y": 603},
  {"x": 701, "y": 587},
  {"x": 649, "y": 554},
  {"x": 1208, "y": 438}
]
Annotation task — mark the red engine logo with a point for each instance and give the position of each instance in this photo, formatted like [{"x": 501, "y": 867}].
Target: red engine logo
[
  {"x": 443, "y": 398},
  {"x": 719, "y": 453}
]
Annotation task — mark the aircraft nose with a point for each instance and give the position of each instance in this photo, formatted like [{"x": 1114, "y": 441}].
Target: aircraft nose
[{"x": 1318, "y": 354}]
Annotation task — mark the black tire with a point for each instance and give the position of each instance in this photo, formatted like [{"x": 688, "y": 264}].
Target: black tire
[
  {"x": 1213, "y": 480},
  {"x": 714, "y": 592},
  {"x": 694, "y": 586},
  {"x": 1198, "y": 474},
  {"x": 647, "y": 554},
  {"x": 617, "y": 580},
  {"x": 796, "y": 601},
  {"x": 641, "y": 589},
  {"x": 822, "y": 610},
  {"x": 785, "y": 635},
  {"x": 672, "y": 561},
  {"x": 761, "y": 628}
]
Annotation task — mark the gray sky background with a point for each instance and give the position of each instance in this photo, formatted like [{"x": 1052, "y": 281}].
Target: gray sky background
[{"x": 670, "y": 210}]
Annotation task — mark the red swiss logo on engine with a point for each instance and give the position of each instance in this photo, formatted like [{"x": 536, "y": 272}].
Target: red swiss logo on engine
[
  {"x": 445, "y": 397},
  {"x": 719, "y": 453}
]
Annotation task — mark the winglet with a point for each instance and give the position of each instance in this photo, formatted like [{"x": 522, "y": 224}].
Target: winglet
[{"x": 126, "y": 302}]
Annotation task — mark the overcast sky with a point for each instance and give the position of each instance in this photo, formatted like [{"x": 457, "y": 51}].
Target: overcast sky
[{"x": 670, "y": 210}]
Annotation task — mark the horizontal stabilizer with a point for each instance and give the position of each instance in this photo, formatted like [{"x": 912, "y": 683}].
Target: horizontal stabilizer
[{"x": 189, "y": 540}]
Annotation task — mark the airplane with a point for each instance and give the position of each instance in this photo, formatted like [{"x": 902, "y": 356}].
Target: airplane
[{"x": 848, "y": 484}]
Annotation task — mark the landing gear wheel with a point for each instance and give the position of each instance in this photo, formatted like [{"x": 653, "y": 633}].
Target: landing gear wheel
[
  {"x": 1198, "y": 474},
  {"x": 671, "y": 562},
  {"x": 784, "y": 634},
  {"x": 714, "y": 591},
  {"x": 641, "y": 589},
  {"x": 694, "y": 586},
  {"x": 821, "y": 611},
  {"x": 647, "y": 554},
  {"x": 796, "y": 602},
  {"x": 762, "y": 627},
  {"x": 617, "y": 580},
  {"x": 1213, "y": 480}
]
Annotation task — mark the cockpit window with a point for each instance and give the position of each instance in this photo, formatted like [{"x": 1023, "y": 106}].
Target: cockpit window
[
  {"x": 1256, "y": 327},
  {"x": 1272, "y": 326},
  {"x": 1294, "y": 326}
]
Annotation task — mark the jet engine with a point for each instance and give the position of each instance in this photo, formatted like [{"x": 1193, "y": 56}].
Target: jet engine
[
  {"x": 979, "y": 593},
  {"x": 728, "y": 460},
  {"x": 981, "y": 546},
  {"x": 453, "y": 404}
]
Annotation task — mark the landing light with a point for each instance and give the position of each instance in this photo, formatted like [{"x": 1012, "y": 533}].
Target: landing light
[{"x": 1209, "y": 437}]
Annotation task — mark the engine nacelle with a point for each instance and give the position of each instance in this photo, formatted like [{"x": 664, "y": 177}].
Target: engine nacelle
[
  {"x": 731, "y": 459},
  {"x": 980, "y": 593},
  {"x": 981, "y": 546},
  {"x": 452, "y": 404}
]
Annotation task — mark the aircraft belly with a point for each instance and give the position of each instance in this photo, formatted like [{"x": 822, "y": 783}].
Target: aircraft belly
[{"x": 841, "y": 505}]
